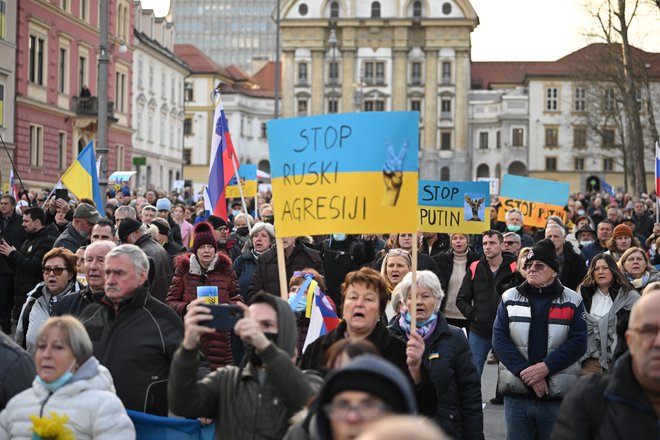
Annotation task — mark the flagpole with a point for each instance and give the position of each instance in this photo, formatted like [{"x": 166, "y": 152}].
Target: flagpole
[
  {"x": 240, "y": 190},
  {"x": 12, "y": 163}
]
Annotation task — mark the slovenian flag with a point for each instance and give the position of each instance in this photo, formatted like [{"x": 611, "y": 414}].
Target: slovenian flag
[
  {"x": 657, "y": 169},
  {"x": 81, "y": 178},
  {"x": 322, "y": 318},
  {"x": 221, "y": 169}
]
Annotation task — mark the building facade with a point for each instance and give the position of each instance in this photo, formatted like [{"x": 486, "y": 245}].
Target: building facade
[
  {"x": 158, "y": 77},
  {"x": 349, "y": 55},
  {"x": 228, "y": 31},
  {"x": 8, "y": 23},
  {"x": 57, "y": 47}
]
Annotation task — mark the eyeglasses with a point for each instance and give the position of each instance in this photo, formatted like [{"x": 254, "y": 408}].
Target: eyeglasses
[
  {"x": 366, "y": 411},
  {"x": 56, "y": 270},
  {"x": 510, "y": 243},
  {"x": 222, "y": 229},
  {"x": 536, "y": 266},
  {"x": 647, "y": 330}
]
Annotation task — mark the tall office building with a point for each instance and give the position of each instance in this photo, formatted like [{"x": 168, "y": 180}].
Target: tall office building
[{"x": 228, "y": 31}]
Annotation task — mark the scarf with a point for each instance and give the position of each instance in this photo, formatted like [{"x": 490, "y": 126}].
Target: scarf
[
  {"x": 424, "y": 328},
  {"x": 639, "y": 283}
]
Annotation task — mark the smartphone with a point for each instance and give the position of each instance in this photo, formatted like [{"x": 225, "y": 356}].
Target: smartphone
[
  {"x": 225, "y": 316},
  {"x": 62, "y": 194}
]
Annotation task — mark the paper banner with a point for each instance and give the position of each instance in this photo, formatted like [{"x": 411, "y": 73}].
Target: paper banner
[
  {"x": 537, "y": 199},
  {"x": 453, "y": 207}
]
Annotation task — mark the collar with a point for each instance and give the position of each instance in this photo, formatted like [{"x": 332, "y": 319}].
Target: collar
[{"x": 623, "y": 386}]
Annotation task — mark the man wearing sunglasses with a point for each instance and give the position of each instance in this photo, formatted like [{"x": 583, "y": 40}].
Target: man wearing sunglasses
[{"x": 539, "y": 335}]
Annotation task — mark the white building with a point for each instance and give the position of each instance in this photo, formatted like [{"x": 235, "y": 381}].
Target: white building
[{"x": 158, "y": 77}]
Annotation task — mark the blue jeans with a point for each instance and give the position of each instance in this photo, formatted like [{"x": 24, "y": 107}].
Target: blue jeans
[
  {"x": 479, "y": 346},
  {"x": 529, "y": 419}
]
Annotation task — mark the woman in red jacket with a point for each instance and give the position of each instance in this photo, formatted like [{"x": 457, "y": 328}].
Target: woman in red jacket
[{"x": 205, "y": 267}]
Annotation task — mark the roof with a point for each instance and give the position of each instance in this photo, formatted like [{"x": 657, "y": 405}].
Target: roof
[
  {"x": 592, "y": 60},
  {"x": 155, "y": 45},
  {"x": 265, "y": 77},
  {"x": 237, "y": 73},
  {"x": 198, "y": 61}
]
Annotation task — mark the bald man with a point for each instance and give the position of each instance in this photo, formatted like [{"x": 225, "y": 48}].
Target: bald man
[{"x": 626, "y": 403}]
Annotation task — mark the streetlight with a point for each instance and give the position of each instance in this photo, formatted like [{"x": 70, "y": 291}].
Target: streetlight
[
  {"x": 104, "y": 59},
  {"x": 277, "y": 61},
  {"x": 334, "y": 71}
]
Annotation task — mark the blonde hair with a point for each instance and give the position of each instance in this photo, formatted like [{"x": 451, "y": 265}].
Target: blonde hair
[{"x": 73, "y": 334}]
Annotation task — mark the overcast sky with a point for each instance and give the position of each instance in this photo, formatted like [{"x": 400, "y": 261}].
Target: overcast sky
[{"x": 530, "y": 30}]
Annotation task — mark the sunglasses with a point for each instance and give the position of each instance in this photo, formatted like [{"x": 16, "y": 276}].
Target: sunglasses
[
  {"x": 536, "y": 266},
  {"x": 510, "y": 243},
  {"x": 56, "y": 270}
]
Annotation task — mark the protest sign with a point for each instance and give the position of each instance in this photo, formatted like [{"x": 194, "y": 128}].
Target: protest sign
[
  {"x": 248, "y": 176},
  {"x": 537, "y": 199},
  {"x": 350, "y": 173},
  {"x": 453, "y": 207},
  {"x": 493, "y": 182}
]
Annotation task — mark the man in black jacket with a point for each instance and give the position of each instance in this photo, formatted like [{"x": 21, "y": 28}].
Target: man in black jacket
[
  {"x": 623, "y": 404},
  {"x": 17, "y": 367},
  {"x": 11, "y": 233},
  {"x": 39, "y": 240},
  {"x": 572, "y": 266},
  {"x": 133, "y": 334},
  {"x": 480, "y": 294}
]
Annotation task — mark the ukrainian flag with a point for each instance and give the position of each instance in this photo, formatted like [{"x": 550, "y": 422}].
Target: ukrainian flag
[{"x": 82, "y": 179}]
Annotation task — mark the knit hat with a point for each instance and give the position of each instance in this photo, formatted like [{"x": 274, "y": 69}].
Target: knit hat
[
  {"x": 127, "y": 227},
  {"x": 163, "y": 205},
  {"x": 622, "y": 231},
  {"x": 162, "y": 225},
  {"x": 544, "y": 251},
  {"x": 216, "y": 221},
  {"x": 203, "y": 234},
  {"x": 87, "y": 212}
]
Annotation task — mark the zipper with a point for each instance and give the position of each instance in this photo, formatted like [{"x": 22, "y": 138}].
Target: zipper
[{"x": 43, "y": 404}]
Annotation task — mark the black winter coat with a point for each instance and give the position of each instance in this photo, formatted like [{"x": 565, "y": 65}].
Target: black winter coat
[
  {"x": 448, "y": 361},
  {"x": 574, "y": 268},
  {"x": 479, "y": 297},
  {"x": 445, "y": 262},
  {"x": 266, "y": 275},
  {"x": 339, "y": 258},
  {"x": 70, "y": 239},
  {"x": 136, "y": 344},
  {"x": 161, "y": 268},
  {"x": 29, "y": 259},
  {"x": 607, "y": 407},
  {"x": 13, "y": 234}
]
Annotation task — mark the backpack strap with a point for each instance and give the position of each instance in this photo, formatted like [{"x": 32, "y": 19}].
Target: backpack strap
[
  {"x": 473, "y": 268},
  {"x": 513, "y": 266},
  {"x": 26, "y": 321}
]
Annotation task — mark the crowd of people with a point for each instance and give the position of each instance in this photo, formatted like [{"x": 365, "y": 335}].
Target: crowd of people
[{"x": 100, "y": 314}]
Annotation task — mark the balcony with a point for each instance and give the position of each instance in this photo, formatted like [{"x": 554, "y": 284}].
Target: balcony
[{"x": 89, "y": 106}]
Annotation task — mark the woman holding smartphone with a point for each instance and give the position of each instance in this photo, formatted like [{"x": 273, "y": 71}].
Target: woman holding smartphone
[{"x": 205, "y": 266}]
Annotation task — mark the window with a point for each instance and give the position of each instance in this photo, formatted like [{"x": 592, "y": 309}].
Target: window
[
  {"x": 302, "y": 73},
  {"x": 139, "y": 73},
  {"x": 517, "y": 137},
  {"x": 483, "y": 140},
  {"x": 374, "y": 72},
  {"x": 580, "y": 100},
  {"x": 65, "y": 5},
  {"x": 609, "y": 100},
  {"x": 138, "y": 119},
  {"x": 188, "y": 92},
  {"x": 446, "y": 72},
  {"x": 444, "y": 174},
  {"x": 302, "y": 107},
  {"x": 36, "y": 65},
  {"x": 608, "y": 164},
  {"x": 36, "y": 145},
  {"x": 334, "y": 10},
  {"x": 608, "y": 138},
  {"x": 172, "y": 89},
  {"x": 578, "y": 164},
  {"x": 62, "y": 71},
  {"x": 416, "y": 73},
  {"x": 333, "y": 72},
  {"x": 120, "y": 155},
  {"x": 445, "y": 108},
  {"x": 242, "y": 132},
  {"x": 82, "y": 72},
  {"x": 187, "y": 127},
  {"x": 84, "y": 10},
  {"x": 551, "y": 137},
  {"x": 417, "y": 9},
  {"x": 446, "y": 8},
  {"x": 187, "y": 155},
  {"x": 150, "y": 127},
  {"x": 579, "y": 137},
  {"x": 333, "y": 104},
  {"x": 151, "y": 77},
  {"x": 263, "y": 131},
  {"x": 375, "y": 9},
  {"x": 374, "y": 105},
  {"x": 120, "y": 91},
  {"x": 163, "y": 118},
  {"x": 551, "y": 99},
  {"x": 2, "y": 105},
  {"x": 498, "y": 139},
  {"x": 445, "y": 140},
  {"x": 163, "y": 82},
  {"x": 3, "y": 19},
  {"x": 551, "y": 164},
  {"x": 416, "y": 105},
  {"x": 61, "y": 151}
]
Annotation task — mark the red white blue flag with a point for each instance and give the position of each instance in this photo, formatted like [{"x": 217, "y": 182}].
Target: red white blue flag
[
  {"x": 12, "y": 184},
  {"x": 221, "y": 169},
  {"x": 657, "y": 169},
  {"x": 323, "y": 318}
]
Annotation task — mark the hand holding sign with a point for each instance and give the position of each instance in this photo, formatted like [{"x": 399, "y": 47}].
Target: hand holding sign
[{"x": 393, "y": 173}]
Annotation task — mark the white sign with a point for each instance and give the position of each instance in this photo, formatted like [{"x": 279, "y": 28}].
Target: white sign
[{"x": 493, "y": 183}]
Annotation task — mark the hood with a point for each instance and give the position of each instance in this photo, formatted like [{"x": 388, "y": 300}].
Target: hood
[
  {"x": 90, "y": 375},
  {"x": 286, "y": 323},
  {"x": 371, "y": 374}
]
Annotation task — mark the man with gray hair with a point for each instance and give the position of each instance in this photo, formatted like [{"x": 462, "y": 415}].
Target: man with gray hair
[
  {"x": 133, "y": 334},
  {"x": 511, "y": 243},
  {"x": 514, "y": 223},
  {"x": 572, "y": 266}
]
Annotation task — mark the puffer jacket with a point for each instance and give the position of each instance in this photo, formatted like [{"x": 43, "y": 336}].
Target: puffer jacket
[
  {"x": 89, "y": 400},
  {"x": 189, "y": 275},
  {"x": 35, "y": 312}
]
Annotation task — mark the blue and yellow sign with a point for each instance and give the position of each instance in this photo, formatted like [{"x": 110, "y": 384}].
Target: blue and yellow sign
[
  {"x": 537, "y": 199},
  {"x": 248, "y": 175},
  {"x": 453, "y": 207},
  {"x": 350, "y": 173}
]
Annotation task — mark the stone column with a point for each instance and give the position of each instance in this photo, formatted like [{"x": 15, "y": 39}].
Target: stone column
[
  {"x": 348, "y": 79},
  {"x": 399, "y": 80},
  {"x": 429, "y": 164},
  {"x": 463, "y": 168},
  {"x": 318, "y": 82},
  {"x": 286, "y": 89}
]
